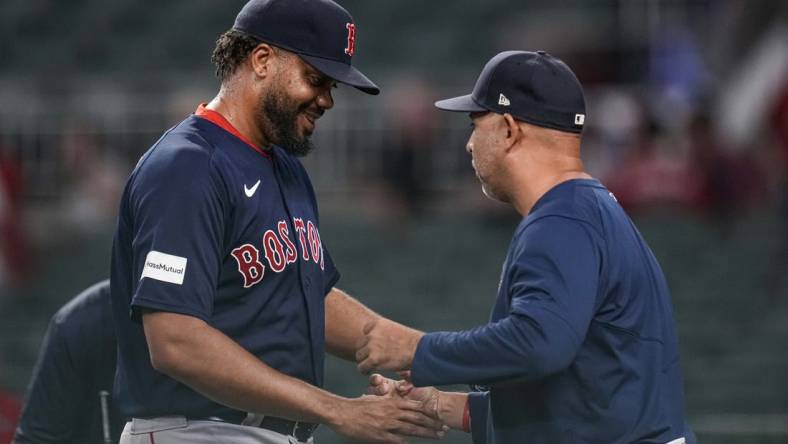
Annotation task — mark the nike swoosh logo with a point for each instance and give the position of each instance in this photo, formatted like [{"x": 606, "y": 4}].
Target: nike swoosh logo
[{"x": 250, "y": 191}]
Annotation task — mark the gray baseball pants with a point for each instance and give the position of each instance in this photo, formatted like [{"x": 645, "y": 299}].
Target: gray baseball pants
[{"x": 178, "y": 430}]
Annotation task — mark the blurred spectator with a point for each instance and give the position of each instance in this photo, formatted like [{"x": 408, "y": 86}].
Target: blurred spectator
[
  {"x": 651, "y": 175},
  {"x": 778, "y": 124},
  {"x": 677, "y": 75},
  {"x": 406, "y": 153},
  {"x": 95, "y": 181},
  {"x": 14, "y": 252},
  {"x": 10, "y": 406},
  {"x": 717, "y": 176},
  {"x": 614, "y": 119},
  {"x": 730, "y": 182},
  {"x": 779, "y": 128}
]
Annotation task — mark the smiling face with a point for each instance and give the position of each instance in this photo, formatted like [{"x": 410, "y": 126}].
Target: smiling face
[
  {"x": 288, "y": 110},
  {"x": 487, "y": 149}
]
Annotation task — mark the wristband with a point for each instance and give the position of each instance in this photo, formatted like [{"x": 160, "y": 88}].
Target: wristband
[{"x": 466, "y": 417}]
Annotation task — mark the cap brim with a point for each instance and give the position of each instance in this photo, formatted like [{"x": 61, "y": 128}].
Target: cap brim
[
  {"x": 464, "y": 104},
  {"x": 342, "y": 73}
]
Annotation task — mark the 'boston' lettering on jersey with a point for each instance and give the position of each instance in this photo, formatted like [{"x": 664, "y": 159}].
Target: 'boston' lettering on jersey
[{"x": 279, "y": 250}]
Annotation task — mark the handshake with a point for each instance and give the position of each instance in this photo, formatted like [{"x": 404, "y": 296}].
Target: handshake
[{"x": 397, "y": 408}]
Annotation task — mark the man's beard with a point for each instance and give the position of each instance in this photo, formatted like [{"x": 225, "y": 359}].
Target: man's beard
[{"x": 277, "y": 116}]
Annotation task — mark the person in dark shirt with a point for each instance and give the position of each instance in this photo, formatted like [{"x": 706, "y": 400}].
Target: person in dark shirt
[
  {"x": 69, "y": 397},
  {"x": 581, "y": 346},
  {"x": 223, "y": 291}
]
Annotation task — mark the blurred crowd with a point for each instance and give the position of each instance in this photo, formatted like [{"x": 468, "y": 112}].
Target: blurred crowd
[{"x": 679, "y": 136}]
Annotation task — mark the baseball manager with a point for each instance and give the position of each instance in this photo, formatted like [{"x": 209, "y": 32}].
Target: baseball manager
[{"x": 581, "y": 346}]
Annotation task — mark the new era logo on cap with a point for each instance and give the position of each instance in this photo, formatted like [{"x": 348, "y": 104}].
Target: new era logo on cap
[
  {"x": 503, "y": 100},
  {"x": 580, "y": 119}
]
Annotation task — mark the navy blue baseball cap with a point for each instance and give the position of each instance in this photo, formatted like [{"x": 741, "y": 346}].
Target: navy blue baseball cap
[
  {"x": 321, "y": 32},
  {"x": 534, "y": 87}
]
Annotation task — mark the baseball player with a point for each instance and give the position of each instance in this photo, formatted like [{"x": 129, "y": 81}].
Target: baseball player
[
  {"x": 69, "y": 397},
  {"x": 222, "y": 288},
  {"x": 581, "y": 345}
]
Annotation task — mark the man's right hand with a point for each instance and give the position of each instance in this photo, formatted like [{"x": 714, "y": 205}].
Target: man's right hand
[
  {"x": 448, "y": 407},
  {"x": 381, "y": 386},
  {"x": 385, "y": 420}
]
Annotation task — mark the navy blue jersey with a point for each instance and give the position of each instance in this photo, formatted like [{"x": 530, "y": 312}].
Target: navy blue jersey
[
  {"x": 212, "y": 227},
  {"x": 68, "y": 401},
  {"x": 581, "y": 345}
]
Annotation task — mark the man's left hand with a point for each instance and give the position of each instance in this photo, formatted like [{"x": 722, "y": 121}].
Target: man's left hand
[{"x": 387, "y": 345}]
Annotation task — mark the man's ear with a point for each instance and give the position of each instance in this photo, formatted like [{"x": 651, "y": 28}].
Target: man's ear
[
  {"x": 261, "y": 58},
  {"x": 513, "y": 131}
]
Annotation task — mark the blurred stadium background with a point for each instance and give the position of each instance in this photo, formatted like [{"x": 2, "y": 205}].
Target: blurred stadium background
[{"x": 687, "y": 124}]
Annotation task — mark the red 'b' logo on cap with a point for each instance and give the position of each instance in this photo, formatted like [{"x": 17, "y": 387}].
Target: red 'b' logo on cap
[{"x": 351, "y": 39}]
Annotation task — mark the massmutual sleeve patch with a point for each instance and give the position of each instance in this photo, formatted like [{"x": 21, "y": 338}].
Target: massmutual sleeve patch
[{"x": 164, "y": 267}]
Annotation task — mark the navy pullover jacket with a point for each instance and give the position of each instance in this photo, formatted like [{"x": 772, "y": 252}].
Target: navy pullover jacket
[{"x": 581, "y": 346}]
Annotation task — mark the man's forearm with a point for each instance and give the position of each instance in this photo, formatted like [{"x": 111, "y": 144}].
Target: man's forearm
[
  {"x": 196, "y": 354},
  {"x": 512, "y": 348},
  {"x": 345, "y": 320}
]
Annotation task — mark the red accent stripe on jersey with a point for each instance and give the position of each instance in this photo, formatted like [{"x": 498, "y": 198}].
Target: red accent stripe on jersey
[
  {"x": 150, "y": 435},
  {"x": 219, "y": 120}
]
